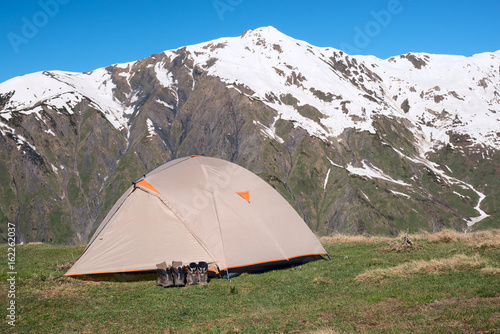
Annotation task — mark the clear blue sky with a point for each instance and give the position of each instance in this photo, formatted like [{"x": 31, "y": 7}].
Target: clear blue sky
[{"x": 75, "y": 35}]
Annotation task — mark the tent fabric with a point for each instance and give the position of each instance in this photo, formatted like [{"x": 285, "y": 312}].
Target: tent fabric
[{"x": 192, "y": 209}]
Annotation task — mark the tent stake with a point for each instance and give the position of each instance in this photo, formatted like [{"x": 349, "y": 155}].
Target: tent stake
[{"x": 329, "y": 257}]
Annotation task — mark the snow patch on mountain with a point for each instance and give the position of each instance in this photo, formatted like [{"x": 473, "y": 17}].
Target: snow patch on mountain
[
  {"x": 163, "y": 103},
  {"x": 400, "y": 193},
  {"x": 441, "y": 174},
  {"x": 164, "y": 76},
  {"x": 326, "y": 179},
  {"x": 64, "y": 90},
  {"x": 269, "y": 132},
  {"x": 369, "y": 171},
  {"x": 50, "y": 132},
  {"x": 151, "y": 128}
]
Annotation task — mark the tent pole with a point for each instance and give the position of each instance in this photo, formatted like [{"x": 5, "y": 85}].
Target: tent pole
[
  {"x": 329, "y": 256},
  {"x": 228, "y": 278}
]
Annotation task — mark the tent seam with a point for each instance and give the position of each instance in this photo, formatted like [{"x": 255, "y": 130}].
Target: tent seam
[
  {"x": 169, "y": 205},
  {"x": 152, "y": 170},
  {"x": 220, "y": 229}
]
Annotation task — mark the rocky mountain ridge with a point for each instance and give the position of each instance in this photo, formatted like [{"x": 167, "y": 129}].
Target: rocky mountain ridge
[{"x": 355, "y": 143}]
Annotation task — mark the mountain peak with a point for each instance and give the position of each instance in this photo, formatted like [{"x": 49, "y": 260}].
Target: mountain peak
[
  {"x": 269, "y": 35},
  {"x": 263, "y": 31}
]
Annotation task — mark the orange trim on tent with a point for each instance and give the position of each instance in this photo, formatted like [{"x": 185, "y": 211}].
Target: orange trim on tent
[
  {"x": 196, "y": 155},
  {"x": 245, "y": 195},
  {"x": 147, "y": 185}
]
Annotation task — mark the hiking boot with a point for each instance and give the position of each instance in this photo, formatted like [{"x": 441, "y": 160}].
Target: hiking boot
[
  {"x": 193, "y": 274},
  {"x": 203, "y": 272},
  {"x": 166, "y": 279},
  {"x": 178, "y": 273}
]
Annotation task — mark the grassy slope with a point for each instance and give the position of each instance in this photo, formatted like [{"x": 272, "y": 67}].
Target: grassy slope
[{"x": 366, "y": 288}]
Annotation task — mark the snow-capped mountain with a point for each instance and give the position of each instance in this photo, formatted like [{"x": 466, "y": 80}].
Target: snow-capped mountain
[{"x": 355, "y": 143}]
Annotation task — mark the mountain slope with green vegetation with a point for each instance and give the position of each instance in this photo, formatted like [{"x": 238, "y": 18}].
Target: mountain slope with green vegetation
[{"x": 446, "y": 283}]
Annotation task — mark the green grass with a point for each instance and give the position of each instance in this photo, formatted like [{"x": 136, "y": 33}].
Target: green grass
[{"x": 343, "y": 295}]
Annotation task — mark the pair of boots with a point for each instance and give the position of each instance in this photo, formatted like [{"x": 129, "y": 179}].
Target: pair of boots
[
  {"x": 177, "y": 275},
  {"x": 173, "y": 275},
  {"x": 197, "y": 273}
]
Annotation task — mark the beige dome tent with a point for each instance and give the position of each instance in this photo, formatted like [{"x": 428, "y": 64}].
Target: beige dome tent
[{"x": 198, "y": 209}]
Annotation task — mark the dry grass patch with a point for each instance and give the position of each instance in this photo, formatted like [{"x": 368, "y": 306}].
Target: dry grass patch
[
  {"x": 456, "y": 263},
  {"x": 323, "y": 331},
  {"x": 346, "y": 239},
  {"x": 490, "y": 271},
  {"x": 405, "y": 245},
  {"x": 475, "y": 301},
  {"x": 321, "y": 280},
  {"x": 490, "y": 238}
]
